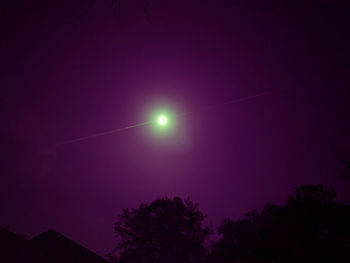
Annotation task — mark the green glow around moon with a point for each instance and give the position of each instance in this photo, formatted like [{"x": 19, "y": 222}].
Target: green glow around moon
[{"x": 162, "y": 120}]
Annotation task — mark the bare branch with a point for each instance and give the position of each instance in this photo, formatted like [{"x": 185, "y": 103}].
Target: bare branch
[
  {"x": 345, "y": 163},
  {"x": 145, "y": 10},
  {"x": 91, "y": 4}
]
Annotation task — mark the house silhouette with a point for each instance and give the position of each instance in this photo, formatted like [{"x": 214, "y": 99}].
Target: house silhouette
[{"x": 48, "y": 247}]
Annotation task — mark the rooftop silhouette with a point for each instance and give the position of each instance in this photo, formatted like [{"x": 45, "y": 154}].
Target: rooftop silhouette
[{"x": 48, "y": 247}]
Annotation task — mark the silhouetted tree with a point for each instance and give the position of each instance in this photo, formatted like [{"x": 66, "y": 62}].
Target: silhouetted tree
[
  {"x": 309, "y": 227},
  {"x": 163, "y": 231},
  {"x": 344, "y": 169}
]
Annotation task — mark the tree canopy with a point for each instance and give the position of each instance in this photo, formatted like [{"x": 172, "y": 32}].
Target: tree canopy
[
  {"x": 309, "y": 227},
  {"x": 163, "y": 231}
]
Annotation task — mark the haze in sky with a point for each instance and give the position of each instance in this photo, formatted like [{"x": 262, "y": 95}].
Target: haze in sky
[{"x": 65, "y": 76}]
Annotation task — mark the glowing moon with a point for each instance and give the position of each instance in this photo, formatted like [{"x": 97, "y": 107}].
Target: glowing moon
[{"x": 162, "y": 120}]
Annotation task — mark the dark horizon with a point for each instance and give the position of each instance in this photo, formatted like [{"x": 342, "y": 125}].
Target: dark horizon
[{"x": 65, "y": 75}]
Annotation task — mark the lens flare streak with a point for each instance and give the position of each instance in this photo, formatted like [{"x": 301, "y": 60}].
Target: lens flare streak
[{"x": 162, "y": 120}]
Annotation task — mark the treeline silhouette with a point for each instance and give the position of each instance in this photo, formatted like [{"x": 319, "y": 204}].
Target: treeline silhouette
[{"x": 309, "y": 227}]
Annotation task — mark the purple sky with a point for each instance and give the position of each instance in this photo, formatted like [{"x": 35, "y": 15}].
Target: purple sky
[{"x": 64, "y": 77}]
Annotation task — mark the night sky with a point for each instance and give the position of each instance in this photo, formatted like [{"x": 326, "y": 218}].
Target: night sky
[{"x": 63, "y": 76}]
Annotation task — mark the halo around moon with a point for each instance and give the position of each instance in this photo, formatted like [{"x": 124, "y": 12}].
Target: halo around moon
[{"x": 163, "y": 121}]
